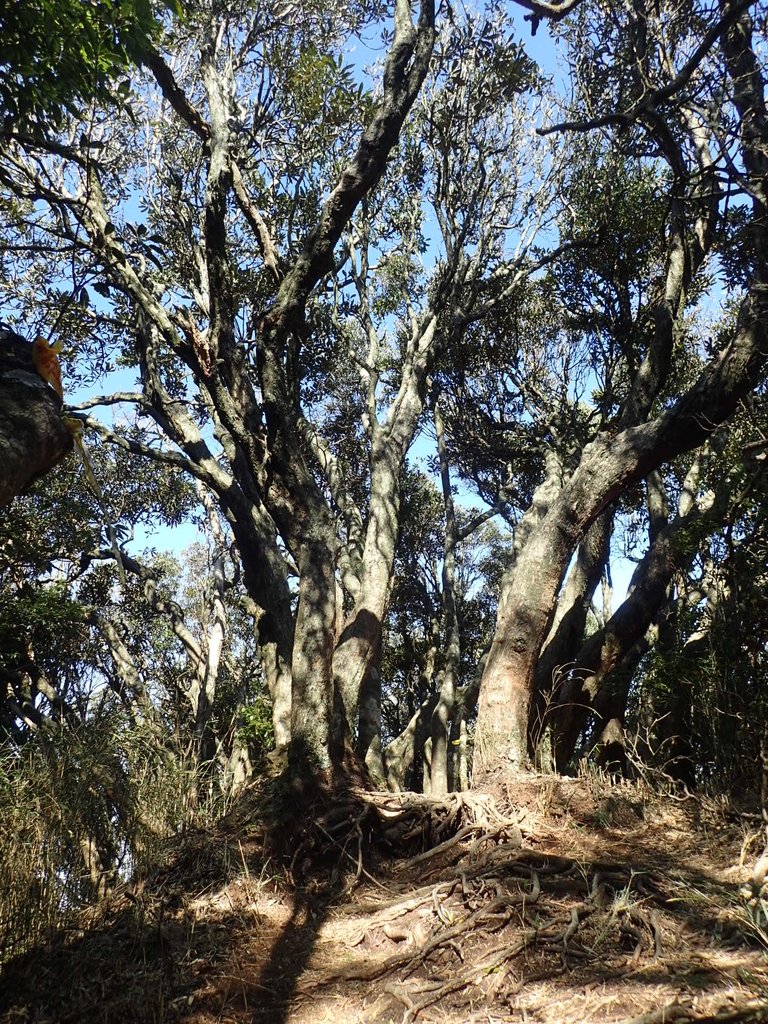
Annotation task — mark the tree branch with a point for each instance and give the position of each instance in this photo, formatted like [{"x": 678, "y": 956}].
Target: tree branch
[
  {"x": 174, "y": 459},
  {"x": 257, "y": 222},
  {"x": 404, "y": 71},
  {"x": 552, "y": 12},
  {"x": 174, "y": 94},
  {"x": 117, "y": 397},
  {"x": 651, "y": 99}
]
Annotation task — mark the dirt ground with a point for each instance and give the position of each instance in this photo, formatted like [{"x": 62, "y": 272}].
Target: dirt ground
[{"x": 550, "y": 900}]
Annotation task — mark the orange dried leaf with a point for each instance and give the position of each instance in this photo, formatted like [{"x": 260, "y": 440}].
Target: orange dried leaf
[{"x": 46, "y": 360}]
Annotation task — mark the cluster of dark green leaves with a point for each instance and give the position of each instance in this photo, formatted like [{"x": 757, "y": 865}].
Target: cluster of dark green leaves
[
  {"x": 256, "y": 726},
  {"x": 58, "y": 54}
]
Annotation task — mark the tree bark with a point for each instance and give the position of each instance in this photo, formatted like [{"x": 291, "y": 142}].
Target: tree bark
[
  {"x": 33, "y": 438},
  {"x": 526, "y": 607},
  {"x": 567, "y": 632},
  {"x": 369, "y": 729},
  {"x": 313, "y": 746},
  {"x": 360, "y": 641},
  {"x": 608, "y": 466},
  {"x": 443, "y": 713},
  {"x": 400, "y": 753}
]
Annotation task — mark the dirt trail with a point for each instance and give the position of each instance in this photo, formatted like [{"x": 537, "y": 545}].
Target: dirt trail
[{"x": 557, "y": 901}]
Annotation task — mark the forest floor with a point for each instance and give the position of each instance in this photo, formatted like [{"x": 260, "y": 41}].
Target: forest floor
[{"x": 549, "y": 900}]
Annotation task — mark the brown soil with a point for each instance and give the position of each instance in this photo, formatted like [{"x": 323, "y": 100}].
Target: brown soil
[{"x": 550, "y": 900}]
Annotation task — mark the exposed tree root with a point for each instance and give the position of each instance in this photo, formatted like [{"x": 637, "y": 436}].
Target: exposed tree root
[
  {"x": 363, "y": 823},
  {"x": 753, "y": 1012},
  {"x": 459, "y": 921},
  {"x": 490, "y": 909}
]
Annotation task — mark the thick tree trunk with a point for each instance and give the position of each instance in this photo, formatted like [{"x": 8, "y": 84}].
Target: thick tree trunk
[
  {"x": 426, "y": 767},
  {"x": 268, "y": 602},
  {"x": 32, "y": 437},
  {"x": 608, "y": 466},
  {"x": 369, "y": 729},
  {"x": 102, "y": 875},
  {"x": 313, "y": 746},
  {"x": 360, "y": 642},
  {"x": 673, "y": 709},
  {"x": 458, "y": 776},
  {"x": 567, "y": 632},
  {"x": 238, "y": 767},
  {"x": 526, "y": 607},
  {"x": 609, "y": 738}
]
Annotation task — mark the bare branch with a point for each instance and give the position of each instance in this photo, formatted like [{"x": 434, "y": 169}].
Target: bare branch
[
  {"x": 648, "y": 103},
  {"x": 168, "y": 458},
  {"x": 257, "y": 222},
  {"x": 175, "y": 95},
  {"x": 117, "y": 397},
  {"x": 404, "y": 71},
  {"x": 480, "y": 520}
]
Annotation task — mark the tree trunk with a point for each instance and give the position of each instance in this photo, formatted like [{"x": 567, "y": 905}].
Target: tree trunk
[
  {"x": 360, "y": 642},
  {"x": 526, "y": 607},
  {"x": 605, "y": 649},
  {"x": 458, "y": 778},
  {"x": 213, "y": 639},
  {"x": 312, "y": 691},
  {"x": 426, "y": 767},
  {"x": 33, "y": 438},
  {"x": 400, "y": 753},
  {"x": 608, "y": 466},
  {"x": 443, "y": 713},
  {"x": 369, "y": 729},
  {"x": 237, "y": 767},
  {"x": 567, "y": 632},
  {"x": 466, "y": 699},
  {"x": 611, "y": 711}
]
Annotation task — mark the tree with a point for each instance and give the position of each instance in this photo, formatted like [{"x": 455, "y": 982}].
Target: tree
[
  {"x": 54, "y": 57},
  {"x": 302, "y": 263},
  {"x": 132, "y": 704},
  {"x": 239, "y": 319},
  {"x": 670, "y": 63},
  {"x": 437, "y": 628},
  {"x": 699, "y": 713}
]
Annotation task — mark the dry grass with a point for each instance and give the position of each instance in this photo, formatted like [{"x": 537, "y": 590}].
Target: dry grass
[{"x": 63, "y": 799}]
